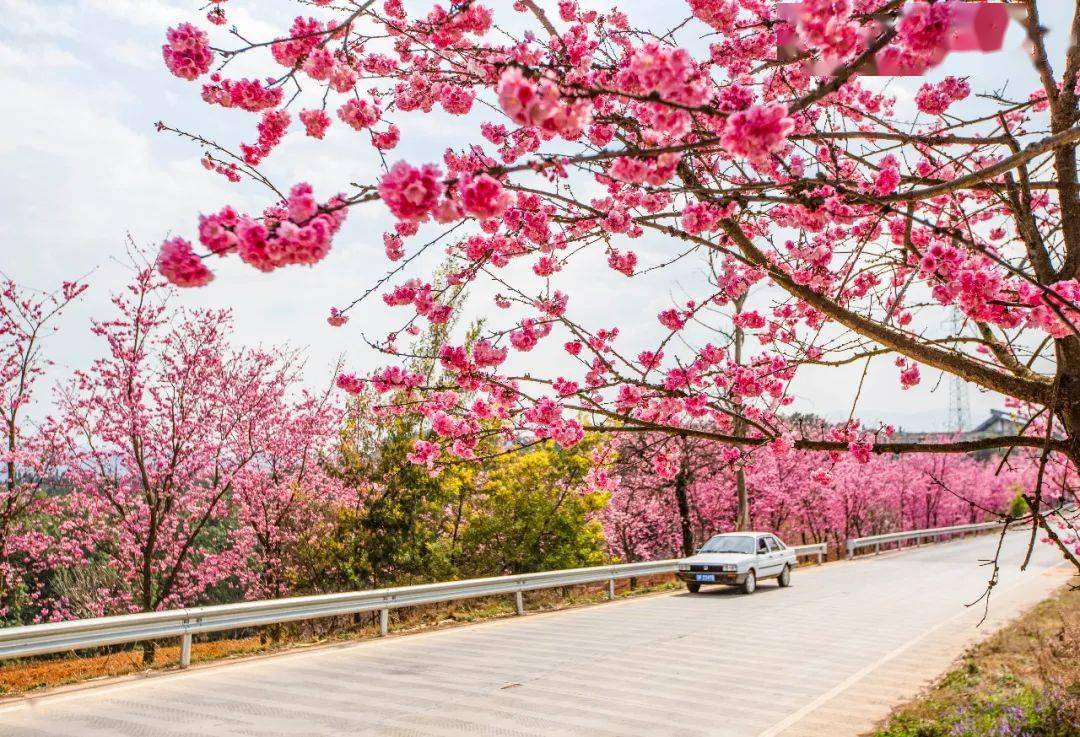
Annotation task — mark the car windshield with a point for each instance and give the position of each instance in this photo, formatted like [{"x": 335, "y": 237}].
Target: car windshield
[{"x": 729, "y": 544}]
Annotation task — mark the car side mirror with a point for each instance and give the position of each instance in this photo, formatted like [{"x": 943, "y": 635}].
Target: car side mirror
[{"x": 697, "y": 550}]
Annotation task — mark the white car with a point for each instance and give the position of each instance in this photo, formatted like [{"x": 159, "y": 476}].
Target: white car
[{"x": 738, "y": 559}]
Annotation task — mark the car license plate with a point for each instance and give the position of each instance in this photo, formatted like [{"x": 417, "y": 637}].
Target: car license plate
[{"x": 705, "y": 577}]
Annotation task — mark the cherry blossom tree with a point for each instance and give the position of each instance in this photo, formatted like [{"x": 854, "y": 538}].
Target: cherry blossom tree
[
  {"x": 672, "y": 491},
  {"x": 806, "y": 497},
  {"x": 768, "y": 149},
  {"x": 285, "y": 496},
  {"x": 159, "y": 431},
  {"x": 30, "y": 460}
]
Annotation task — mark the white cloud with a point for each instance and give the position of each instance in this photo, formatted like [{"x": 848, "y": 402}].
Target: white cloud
[
  {"x": 157, "y": 14},
  {"x": 32, "y": 18},
  {"x": 133, "y": 53},
  {"x": 42, "y": 57}
]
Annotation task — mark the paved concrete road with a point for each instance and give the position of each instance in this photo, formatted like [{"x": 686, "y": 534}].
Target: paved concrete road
[{"x": 826, "y": 657}]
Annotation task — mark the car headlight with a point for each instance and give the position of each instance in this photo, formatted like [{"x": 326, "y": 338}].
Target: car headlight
[{"x": 684, "y": 566}]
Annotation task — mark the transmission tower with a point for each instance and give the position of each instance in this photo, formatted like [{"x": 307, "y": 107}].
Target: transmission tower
[{"x": 959, "y": 411}]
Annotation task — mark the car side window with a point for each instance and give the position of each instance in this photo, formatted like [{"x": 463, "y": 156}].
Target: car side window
[
  {"x": 773, "y": 547},
  {"x": 776, "y": 543},
  {"x": 762, "y": 545}
]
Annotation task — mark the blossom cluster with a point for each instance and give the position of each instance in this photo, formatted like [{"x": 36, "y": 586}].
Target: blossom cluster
[
  {"x": 935, "y": 98},
  {"x": 178, "y": 263},
  {"x": 539, "y": 104},
  {"x": 187, "y": 51},
  {"x": 299, "y": 231},
  {"x": 758, "y": 131},
  {"x": 246, "y": 94},
  {"x": 271, "y": 129}
]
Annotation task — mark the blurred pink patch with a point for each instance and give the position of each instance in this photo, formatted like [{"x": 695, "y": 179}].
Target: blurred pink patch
[
  {"x": 927, "y": 33},
  {"x": 978, "y": 27}
]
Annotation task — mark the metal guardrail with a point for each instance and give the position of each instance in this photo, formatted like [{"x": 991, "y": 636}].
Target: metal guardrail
[
  {"x": 39, "y": 639},
  {"x": 818, "y": 549},
  {"x": 876, "y": 541}
]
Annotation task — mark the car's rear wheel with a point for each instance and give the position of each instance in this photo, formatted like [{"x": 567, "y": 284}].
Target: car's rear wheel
[
  {"x": 693, "y": 588},
  {"x": 749, "y": 586},
  {"x": 785, "y": 577}
]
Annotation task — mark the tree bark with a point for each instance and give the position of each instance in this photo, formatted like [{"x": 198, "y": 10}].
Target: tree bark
[
  {"x": 683, "y": 502},
  {"x": 149, "y": 651}
]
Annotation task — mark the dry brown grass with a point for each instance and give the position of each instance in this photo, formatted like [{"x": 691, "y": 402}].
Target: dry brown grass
[
  {"x": 34, "y": 674},
  {"x": 1023, "y": 680}
]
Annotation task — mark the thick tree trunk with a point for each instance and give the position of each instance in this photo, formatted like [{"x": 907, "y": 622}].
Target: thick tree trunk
[
  {"x": 742, "y": 517},
  {"x": 683, "y": 502},
  {"x": 149, "y": 648}
]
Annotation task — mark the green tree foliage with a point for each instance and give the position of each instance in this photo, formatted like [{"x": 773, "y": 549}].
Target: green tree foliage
[
  {"x": 507, "y": 513},
  {"x": 387, "y": 534},
  {"x": 529, "y": 512}
]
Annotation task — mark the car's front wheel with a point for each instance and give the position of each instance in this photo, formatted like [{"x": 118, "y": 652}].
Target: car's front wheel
[
  {"x": 749, "y": 585},
  {"x": 785, "y": 577},
  {"x": 693, "y": 588}
]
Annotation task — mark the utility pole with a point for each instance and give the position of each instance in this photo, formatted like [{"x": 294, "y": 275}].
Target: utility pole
[{"x": 742, "y": 516}]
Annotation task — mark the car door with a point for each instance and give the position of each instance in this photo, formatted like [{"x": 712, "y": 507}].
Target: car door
[
  {"x": 765, "y": 561},
  {"x": 775, "y": 556},
  {"x": 784, "y": 554}
]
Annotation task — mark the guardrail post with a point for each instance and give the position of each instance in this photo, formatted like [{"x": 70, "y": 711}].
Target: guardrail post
[
  {"x": 519, "y": 603},
  {"x": 185, "y": 650},
  {"x": 877, "y": 549},
  {"x": 820, "y": 556},
  {"x": 611, "y": 589},
  {"x": 384, "y": 622},
  {"x": 850, "y": 550}
]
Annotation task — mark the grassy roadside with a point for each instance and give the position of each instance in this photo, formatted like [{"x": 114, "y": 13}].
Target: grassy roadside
[
  {"x": 35, "y": 674},
  {"x": 1024, "y": 681}
]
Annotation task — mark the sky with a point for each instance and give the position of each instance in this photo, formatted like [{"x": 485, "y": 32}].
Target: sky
[{"x": 87, "y": 179}]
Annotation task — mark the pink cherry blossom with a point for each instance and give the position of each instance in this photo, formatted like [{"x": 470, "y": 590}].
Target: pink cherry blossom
[
  {"x": 525, "y": 101},
  {"x": 272, "y": 129},
  {"x": 388, "y": 139},
  {"x": 886, "y": 181},
  {"x": 359, "y": 114},
  {"x": 187, "y": 51},
  {"x": 484, "y": 197},
  {"x": 623, "y": 262},
  {"x": 246, "y": 94},
  {"x": 303, "y": 37},
  {"x": 935, "y": 99},
  {"x": 315, "y": 122},
  {"x": 179, "y": 264},
  {"x": 485, "y": 354},
  {"x": 301, "y": 232},
  {"x": 411, "y": 193},
  {"x": 758, "y": 131},
  {"x": 456, "y": 100},
  {"x": 720, "y": 14},
  {"x": 424, "y": 453}
]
